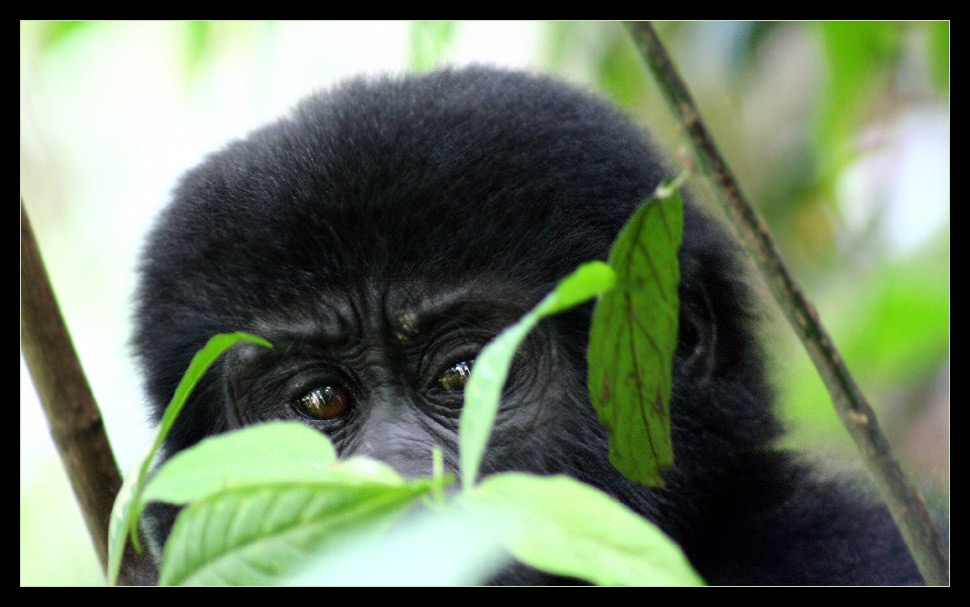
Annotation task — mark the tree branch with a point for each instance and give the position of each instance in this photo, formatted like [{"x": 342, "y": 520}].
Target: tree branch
[
  {"x": 72, "y": 414},
  {"x": 905, "y": 503}
]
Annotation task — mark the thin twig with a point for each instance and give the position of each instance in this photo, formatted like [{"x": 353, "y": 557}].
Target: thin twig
[
  {"x": 72, "y": 414},
  {"x": 905, "y": 503}
]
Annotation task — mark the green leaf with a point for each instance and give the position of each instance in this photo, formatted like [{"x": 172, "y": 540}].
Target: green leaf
[
  {"x": 562, "y": 526},
  {"x": 256, "y": 535},
  {"x": 128, "y": 505},
  {"x": 457, "y": 548},
  {"x": 483, "y": 391},
  {"x": 265, "y": 453},
  {"x": 633, "y": 335}
]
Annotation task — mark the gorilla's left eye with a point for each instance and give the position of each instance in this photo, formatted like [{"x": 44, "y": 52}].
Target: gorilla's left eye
[
  {"x": 326, "y": 402},
  {"x": 455, "y": 378}
]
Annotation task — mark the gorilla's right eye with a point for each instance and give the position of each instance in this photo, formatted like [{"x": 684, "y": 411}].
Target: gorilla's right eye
[
  {"x": 456, "y": 377},
  {"x": 326, "y": 402}
]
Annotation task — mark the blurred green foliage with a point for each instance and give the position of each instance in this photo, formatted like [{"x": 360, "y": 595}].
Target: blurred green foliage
[
  {"x": 859, "y": 55},
  {"x": 53, "y": 33},
  {"x": 892, "y": 329},
  {"x": 939, "y": 51},
  {"x": 430, "y": 42},
  {"x": 199, "y": 41}
]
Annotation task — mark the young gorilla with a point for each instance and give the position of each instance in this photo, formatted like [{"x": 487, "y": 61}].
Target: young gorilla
[{"x": 384, "y": 232}]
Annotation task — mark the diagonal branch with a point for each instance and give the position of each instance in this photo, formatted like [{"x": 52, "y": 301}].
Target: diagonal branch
[
  {"x": 72, "y": 414},
  {"x": 905, "y": 503}
]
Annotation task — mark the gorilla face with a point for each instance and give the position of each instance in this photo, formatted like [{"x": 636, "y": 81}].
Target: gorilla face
[
  {"x": 381, "y": 370},
  {"x": 384, "y": 232},
  {"x": 379, "y": 238}
]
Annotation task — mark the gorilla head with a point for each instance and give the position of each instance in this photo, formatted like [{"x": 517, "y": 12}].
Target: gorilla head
[{"x": 383, "y": 232}]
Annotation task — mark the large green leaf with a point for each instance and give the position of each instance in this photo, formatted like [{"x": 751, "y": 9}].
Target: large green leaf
[
  {"x": 263, "y": 498},
  {"x": 273, "y": 452},
  {"x": 565, "y": 527},
  {"x": 484, "y": 388},
  {"x": 128, "y": 504},
  {"x": 447, "y": 546},
  {"x": 633, "y": 336},
  {"x": 266, "y": 497},
  {"x": 255, "y": 535}
]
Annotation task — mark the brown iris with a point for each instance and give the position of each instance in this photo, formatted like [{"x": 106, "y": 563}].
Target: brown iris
[
  {"x": 456, "y": 377},
  {"x": 326, "y": 402}
]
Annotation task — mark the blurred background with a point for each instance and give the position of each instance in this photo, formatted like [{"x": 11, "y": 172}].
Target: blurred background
[{"x": 839, "y": 133}]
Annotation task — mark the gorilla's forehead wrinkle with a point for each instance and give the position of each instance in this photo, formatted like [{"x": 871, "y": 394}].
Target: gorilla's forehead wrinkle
[
  {"x": 391, "y": 312},
  {"x": 413, "y": 314},
  {"x": 325, "y": 323}
]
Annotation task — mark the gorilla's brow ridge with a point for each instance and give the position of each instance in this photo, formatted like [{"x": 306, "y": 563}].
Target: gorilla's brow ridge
[
  {"x": 339, "y": 317},
  {"x": 464, "y": 306}
]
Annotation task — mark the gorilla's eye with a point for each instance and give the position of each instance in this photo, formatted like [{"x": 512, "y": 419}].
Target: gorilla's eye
[
  {"x": 326, "y": 402},
  {"x": 454, "y": 379}
]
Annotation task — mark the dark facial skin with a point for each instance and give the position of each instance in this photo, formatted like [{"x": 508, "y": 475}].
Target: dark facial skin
[{"x": 383, "y": 375}]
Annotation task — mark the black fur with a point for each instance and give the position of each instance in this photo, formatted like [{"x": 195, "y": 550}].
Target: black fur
[{"x": 483, "y": 186}]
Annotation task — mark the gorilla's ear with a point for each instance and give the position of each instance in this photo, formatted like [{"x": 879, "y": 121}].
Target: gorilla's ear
[{"x": 698, "y": 337}]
